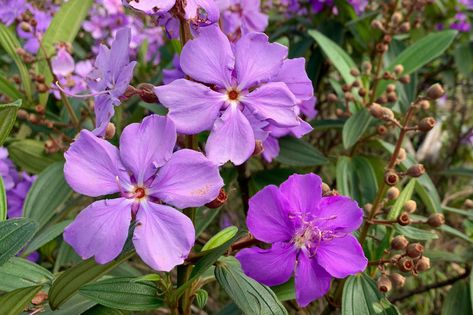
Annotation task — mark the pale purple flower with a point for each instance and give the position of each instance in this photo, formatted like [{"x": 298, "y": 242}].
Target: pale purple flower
[
  {"x": 146, "y": 174},
  {"x": 242, "y": 17},
  {"x": 175, "y": 73},
  {"x": 11, "y": 9},
  {"x": 310, "y": 236},
  {"x": 235, "y": 91},
  {"x": 62, "y": 63},
  {"x": 43, "y": 19},
  {"x": 461, "y": 23},
  {"x": 8, "y": 171}
]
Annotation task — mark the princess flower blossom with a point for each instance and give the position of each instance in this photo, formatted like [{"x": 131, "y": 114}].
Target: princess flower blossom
[
  {"x": 310, "y": 237},
  {"x": 232, "y": 92},
  {"x": 146, "y": 174}
]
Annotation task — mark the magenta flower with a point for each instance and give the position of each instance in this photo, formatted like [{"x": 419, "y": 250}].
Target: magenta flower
[
  {"x": 146, "y": 173},
  {"x": 310, "y": 237},
  {"x": 232, "y": 91}
]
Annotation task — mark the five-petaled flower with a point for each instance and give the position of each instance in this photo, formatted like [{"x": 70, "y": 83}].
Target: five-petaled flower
[
  {"x": 145, "y": 173},
  {"x": 310, "y": 237}
]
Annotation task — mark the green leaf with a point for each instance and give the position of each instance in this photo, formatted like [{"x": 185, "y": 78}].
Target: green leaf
[
  {"x": 14, "y": 234},
  {"x": 458, "y": 211},
  {"x": 285, "y": 291},
  {"x": 14, "y": 302},
  {"x": 460, "y": 171},
  {"x": 405, "y": 195},
  {"x": 414, "y": 233},
  {"x": 8, "y": 88},
  {"x": 366, "y": 178},
  {"x": 250, "y": 296},
  {"x": 201, "y": 297},
  {"x": 458, "y": 300},
  {"x": 63, "y": 28},
  {"x": 69, "y": 282},
  {"x": 355, "y": 127},
  {"x": 21, "y": 273},
  {"x": 343, "y": 175},
  {"x": 7, "y": 118},
  {"x": 103, "y": 310},
  {"x": 45, "y": 237},
  {"x": 204, "y": 216},
  {"x": 75, "y": 305},
  {"x": 220, "y": 238},
  {"x": 339, "y": 58},
  {"x": 10, "y": 44},
  {"x": 297, "y": 152},
  {"x": 29, "y": 155},
  {"x": 3, "y": 201},
  {"x": 455, "y": 232},
  {"x": 47, "y": 194},
  {"x": 361, "y": 296},
  {"x": 123, "y": 293}
]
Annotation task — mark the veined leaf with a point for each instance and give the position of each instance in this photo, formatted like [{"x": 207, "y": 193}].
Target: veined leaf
[
  {"x": 7, "y": 118},
  {"x": 14, "y": 234},
  {"x": 355, "y": 127},
  {"x": 45, "y": 236},
  {"x": 3, "y": 201},
  {"x": 14, "y": 302},
  {"x": 20, "y": 273},
  {"x": 29, "y": 155},
  {"x": 297, "y": 152}
]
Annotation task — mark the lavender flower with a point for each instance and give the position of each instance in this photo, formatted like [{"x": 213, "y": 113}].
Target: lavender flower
[
  {"x": 310, "y": 236},
  {"x": 11, "y": 10},
  {"x": 248, "y": 92},
  {"x": 62, "y": 63},
  {"x": 461, "y": 23},
  {"x": 244, "y": 16},
  {"x": 170, "y": 75},
  {"x": 146, "y": 173}
]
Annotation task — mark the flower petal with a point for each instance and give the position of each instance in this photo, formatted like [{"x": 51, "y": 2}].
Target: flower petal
[
  {"x": 253, "y": 20},
  {"x": 163, "y": 236},
  {"x": 189, "y": 179},
  {"x": 273, "y": 101},
  {"x": 342, "y": 256},
  {"x": 93, "y": 165},
  {"x": 294, "y": 75},
  {"x": 257, "y": 60},
  {"x": 231, "y": 139},
  {"x": 269, "y": 266},
  {"x": 311, "y": 281},
  {"x": 119, "y": 54},
  {"x": 307, "y": 107},
  {"x": 100, "y": 230},
  {"x": 152, "y": 7},
  {"x": 303, "y": 192},
  {"x": 104, "y": 107},
  {"x": 344, "y": 213},
  {"x": 268, "y": 218},
  {"x": 193, "y": 111},
  {"x": 271, "y": 148},
  {"x": 202, "y": 12},
  {"x": 147, "y": 145},
  {"x": 209, "y": 57}
]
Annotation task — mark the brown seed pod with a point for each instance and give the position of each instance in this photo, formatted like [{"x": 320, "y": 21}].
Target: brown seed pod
[
  {"x": 397, "y": 280},
  {"x": 376, "y": 110},
  {"x": 384, "y": 284},
  {"x": 399, "y": 242},
  {"x": 406, "y": 79},
  {"x": 393, "y": 193},
  {"x": 436, "y": 91},
  {"x": 398, "y": 69},
  {"x": 427, "y": 124},
  {"x": 355, "y": 72},
  {"x": 381, "y": 130},
  {"x": 436, "y": 220},
  {"x": 405, "y": 27},
  {"x": 395, "y": 259},
  {"x": 332, "y": 98},
  {"x": 424, "y": 104},
  {"x": 404, "y": 219},
  {"x": 422, "y": 264},
  {"x": 362, "y": 92},
  {"x": 410, "y": 206},
  {"x": 110, "y": 131},
  {"x": 405, "y": 264},
  {"x": 416, "y": 170},
  {"x": 391, "y": 178},
  {"x": 325, "y": 189},
  {"x": 414, "y": 250},
  {"x": 392, "y": 97}
]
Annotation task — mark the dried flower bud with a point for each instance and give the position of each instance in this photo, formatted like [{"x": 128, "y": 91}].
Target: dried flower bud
[
  {"x": 405, "y": 27},
  {"x": 424, "y": 104},
  {"x": 387, "y": 75},
  {"x": 391, "y": 178},
  {"x": 396, "y": 18},
  {"x": 404, "y": 219},
  {"x": 405, "y": 264},
  {"x": 410, "y": 206},
  {"x": 426, "y": 124},
  {"x": 393, "y": 193},
  {"x": 381, "y": 130},
  {"x": 436, "y": 91},
  {"x": 367, "y": 67},
  {"x": 325, "y": 189},
  {"x": 468, "y": 203},
  {"x": 387, "y": 39},
  {"x": 381, "y": 48},
  {"x": 146, "y": 92},
  {"x": 219, "y": 201},
  {"x": 384, "y": 284},
  {"x": 402, "y": 155},
  {"x": 40, "y": 109},
  {"x": 25, "y": 27},
  {"x": 376, "y": 110},
  {"x": 332, "y": 98},
  {"x": 42, "y": 88},
  {"x": 435, "y": 220},
  {"x": 392, "y": 97},
  {"x": 259, "y": 148},
  {"x": 346, "y": 87},
  {"x": 110, "y": 131},
  {"x": 33, "y": 118},
  {"x": 362, "y": 92},
  {"x": 399, "y": 242},
  {"x": 423, "y": 264},
  {"x": 416, "y": 170},
  {"x": 395, "y": 259},
  {"x": 349, "y": 97},
  {"x": 414, "y": 250},
  {"x": 355, "y": 72},
  {"x": 398, "y": 280},
  {"x": 398, "y": 69},
  {"x": 356, "y": 84},
  {"x": 22, "y": 114},
  {"x": 376, "y": 24},
  {"x": 406, "y": 79},
  {"x": 390, "y": 88}
]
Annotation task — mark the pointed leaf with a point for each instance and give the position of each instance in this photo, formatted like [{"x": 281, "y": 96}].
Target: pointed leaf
[
  {"x": 20, "y": 273},
  {"x": 14, "y": 234},
  {"x": 7, "y": 118},
  {"x": 14, "y": 302}
]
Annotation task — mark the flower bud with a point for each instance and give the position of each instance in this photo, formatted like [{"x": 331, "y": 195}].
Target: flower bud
[
  {"x": 405, "y": 264},
  {"x": 25, "y": 27},
  {"x": 398, "y": 69},
  {"x": 354, "y": 72},
  {"x": 387, "y": 114},
  {"x": 393, "y": 193},
  {"x": 397, "y": 280},
  {"x": 384, "y": 284},
  {"x": 396, "y": 18},
  {"x": 376, "y": 110},
  {"x": 42, "y": 88},
  {"x": 219, "y": 201},
  {"x": 399, "y": 242},
  {"x": 349, "y": 97},
  {"x": 22, "y": 114},
  {"x": 40, "y": 109},
  {"x": 423, "y": 264},
  {"x": 368, "y": 207},
  {"x": 405, "y": 79},
  {"x": 362, "y": 92},
  {"x": 416, "y": 170},
  {"x": 404, "y": 219},
  {"x": 424, "y": 104},
  {"x": 32, "y": 118},
  {"x": 110, "y": 131},
  {"x": 435, "y": 220},
  {"x": 436, "y": 91},
  {"x": 401, "y": 156},
  {"x": 405, "y": 27},
  {"x": 410, "y": 206},
  {"x": 146, "y": 92},
  {"x": 259, "y": 148},
  {"x": 427, "y": 124},
  {"x": 332, "y": 98},
  {"x": 468, "y": 203},
  {"x": 392, "y": 97},
  {"x": 391, "y": 178},
  {"x": 395, "y": 259},
  {"x": 367, "y": 67},
  {"x": 376, "y": 24},
  {"x": 414, "y": 250},
  {"x": 325, "y": 189},
  {"x": 390, "y": 88}
]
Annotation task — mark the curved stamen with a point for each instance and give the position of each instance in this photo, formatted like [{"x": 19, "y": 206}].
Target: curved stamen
[{"x": 78, "y": 95}]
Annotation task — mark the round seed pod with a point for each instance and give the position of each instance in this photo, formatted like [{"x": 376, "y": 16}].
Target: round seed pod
[
  {"x": 436, "y": 220},
  {"x": 414, "y": 250},
  {"x": 376, "y": 110},
  {"x": 110, "y": 131},
  {"x": 436, "y": 91},
  {"x": 398, "y": 69},
  {"x": 391, "y": 178},
  {"x": 424, "y": 104},
  {"x": 384, "y": 284},
  {"x": 422, "y": 264},
  {"x": 332, "y": 98},
  {"x": 405, "y": 264},
  {"x": 397, "y": 280},
  {"x": 416, "y": 170},
  {"x": 427, "y": 124},
  {"x": 393, "y": 193},
  {"x": 404, "y": 219},
  {"x": 399, "y": 242},
  {"x": 410, "y": 206}
]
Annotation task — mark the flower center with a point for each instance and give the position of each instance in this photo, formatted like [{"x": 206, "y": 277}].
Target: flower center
[
  {"x": 233, "y": 95},
  {"x": 139, "y": 193}
]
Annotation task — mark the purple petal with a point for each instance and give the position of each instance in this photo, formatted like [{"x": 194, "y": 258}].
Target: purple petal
[
  {"x": 62, "y": 63},
  {"x": 163, "y": 236},
  {"x": 294, "y": 75},
  {"x": 189, "y": 179},
  {"x": 344, "y": 213},
  {"x": 123, "y": 79},
  {"x": 231, "y": 139},
  {"x": 303, "y": 192},
  {"x": 147, "y": 145},
  {"x": 209, "y": 58},
  {"x": 93, "y": 166},
  {"x": 268, "y": 218},
  {"x": 269, "y": 266},
  {"x": 301, "y": 130},
  {"x": 104, "y": 107},
  {"x": 193, "y": 111},
  {"x": 257, "y": 60},
  {"x": 151, "y": 7},
  {"x": 253, "y": 20},
  {"x": 100, "y": 230},
  {"x": 273, "y": 101},
  {"x": 342, "y": 256},
  {"x": 271, "y": 148},
  {"x": 202, "y": 12},
  {"x": 307, "y": 107},
  {"x": 311, "y": 281}
]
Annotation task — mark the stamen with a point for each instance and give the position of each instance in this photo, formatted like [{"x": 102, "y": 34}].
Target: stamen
[{"x": 79, "y": 95}]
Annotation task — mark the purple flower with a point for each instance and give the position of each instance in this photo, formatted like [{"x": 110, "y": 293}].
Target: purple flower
[
  {"x": 11, "y": 9},
  {"x": 244, "y": 16},
  {"x": 109, "y": 81},
  {"x": 310, "y": 237},
  {"x": 17, "y": 195},
  {"x": 62, "y": 63},
  {"x": 170, "y": 75},
  {"x": 146, "y": 173},
  {"x": 461, "y": 23},
  {"x": 233, "y": 91},
  {"x": 8, "y": 171}
]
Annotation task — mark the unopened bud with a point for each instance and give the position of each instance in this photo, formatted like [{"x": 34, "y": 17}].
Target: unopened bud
[
  {"x": 110, "y": 131},
  {"x": 393, "y": 193},
  {"x": 399, "y": 242},
  {"x": 362, "y": 92},
  {"x": 395, "y": 259},
  {"x": 435, "y": 220},
  {"x": 410, "y": 206},
  {"x": 356, "y": 84},
  {"x": 391, "y": 178},
  {"x": 398, "y": 69},
  {"x": 423, "y": 264},
  {"x": 390, "y": 88},
  {"x": 259, "y": 148},
  {"x": 416, "y": 170},
  {"x": 367, "y": 67},
  {"x": 376, "y": 24},
  {"x": 33, "y": 118},
  {"x": 42, "y": 88},
  {"x": 405, "y": 27},
  {"x": 402, "y": 155},
  {"x": 387, "y": 114},
  {"x": 40, "y": 109},
  {"x": 25, "y": 27},
  {"x": 22, "y": 114},
  {"x": 424, "y": 104},
  {"x": 404, "y": 219},
  {"x": 354, "y": 72},
  {"x": 384, "y": 284},
  {"x": 414, "y": 250},
  {"x": 396, "y": 18},
  {"x": 368, "y": 207},
  {"x": 325, "y": 189},
  {"x": 392, "y": 97},
  {"x": 346, "y": 87},
  {"x": 146, "y": 92},
  {"x": 427, "y": 124},
  {"x": 332, "y": 98},
  {"x": 405, "y": 264},
  {"x": 219, "y": 201},
  {"x": 406, "y": 79},
  {"x": 381, "y": 48},
  {"x": 436, "y": 91},
  {"x": 376, "y": 110},
  {"x": 397, "y": 280},
  {"x": 468, "y": 203}
]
